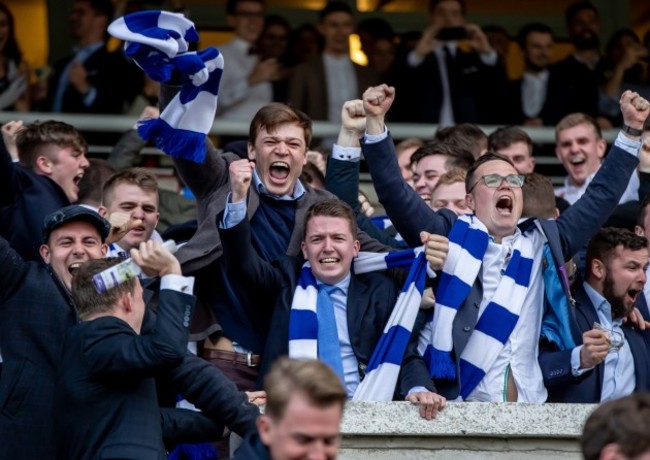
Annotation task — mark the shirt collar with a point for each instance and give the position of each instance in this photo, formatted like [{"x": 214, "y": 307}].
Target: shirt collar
[
  {"x": 298, "y": 190},
  {"x": 539, "y": 76},
  {"x": 510, "y": 239},
  {"x": 600, "y": 302},
  {"x": 83, "y": 52},
  {"x": 342, "y": 285}
]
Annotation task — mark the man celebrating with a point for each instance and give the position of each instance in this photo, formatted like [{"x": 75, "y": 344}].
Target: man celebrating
[
  {"x": 493, "y": 330},
  {"x": 614, "y": 358},
  {"x": 304, "y": 408},
  {"x": 351, "y": 309},
  {"x": 36, "y": 310}
]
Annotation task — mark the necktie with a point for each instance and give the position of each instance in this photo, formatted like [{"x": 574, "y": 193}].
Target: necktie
[
  {"x": 329, "y": 350},
  {"x": 451, "y": 68},
  {"x": 555, "y": 324}
]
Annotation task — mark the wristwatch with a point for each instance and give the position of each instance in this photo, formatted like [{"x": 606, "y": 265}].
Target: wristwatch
[{"x": 631, "y": 131}]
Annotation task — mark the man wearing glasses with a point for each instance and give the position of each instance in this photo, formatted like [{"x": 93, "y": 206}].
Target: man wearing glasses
[
  {"x": 490, "y": 336},
  {"x": 613, "y": 358}
]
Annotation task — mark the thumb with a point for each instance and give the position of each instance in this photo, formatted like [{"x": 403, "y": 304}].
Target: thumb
[{"x": 424, "y": 236}]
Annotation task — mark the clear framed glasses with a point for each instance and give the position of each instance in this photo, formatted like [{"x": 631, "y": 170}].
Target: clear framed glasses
[
  {"x": 494, "y": 180},
  {"x": 614, "y": 338}
]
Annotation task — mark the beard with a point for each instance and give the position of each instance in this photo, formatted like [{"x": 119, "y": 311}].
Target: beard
[
  {"x": 586, "y": 41},
  {"x": 619, "y": 309}
]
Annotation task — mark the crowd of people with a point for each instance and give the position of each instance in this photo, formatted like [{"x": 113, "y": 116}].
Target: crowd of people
[{"x": 482, "y": 282}]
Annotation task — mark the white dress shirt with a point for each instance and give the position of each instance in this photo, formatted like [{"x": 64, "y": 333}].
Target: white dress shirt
[
  {"x": 533, "y": 93},
  {"x": 341, "y": 82},
  {"x": 238, "y": 100},
  {"x": 521, "y": 350}
]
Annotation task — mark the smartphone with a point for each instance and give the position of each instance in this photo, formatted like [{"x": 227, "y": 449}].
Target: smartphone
[{"x": 452, "y": 33}]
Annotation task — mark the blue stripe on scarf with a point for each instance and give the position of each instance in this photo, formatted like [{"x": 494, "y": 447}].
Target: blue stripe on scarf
[
  {"x": 439, "y": 363},
  {"x": 306, "y": 277},
  {"x": 303, "y": 324},
  {"x": 519, "y": 268},
  {"x": 176, "y": 142},
  {"x": 390, "y": 348},
  {"x": 451, "y": 291},
  {"x": 156, "y": 65},
  {"x": 474, "y": 241},
  {"x": 146, "y": 23},
  {"x": 402, "y": 259},
  {"x": 470, "y": 376},
  {"x": 497, "y": 322}
]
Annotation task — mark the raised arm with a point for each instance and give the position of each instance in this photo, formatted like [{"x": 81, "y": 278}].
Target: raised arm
[
  {"x": 408, "y": 212},
  {"x": 582, "y": 220}
]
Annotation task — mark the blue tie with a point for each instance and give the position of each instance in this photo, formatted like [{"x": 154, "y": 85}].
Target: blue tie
[
  {"x": 329, "y": 350},
  {"x": 555, "y": 325}
]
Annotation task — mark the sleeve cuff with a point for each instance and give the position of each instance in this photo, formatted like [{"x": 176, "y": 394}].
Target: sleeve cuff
[
  {"x": 417, "y": 390},
  {"x": 346, "y": 153},
  {"x": 375, "y": 138},
  {"x": 233, "y": 214},
  {"x": 490, "y": 58},
  {"x": 178, "y": 283},
  {"x": 575, "y": 362},
  {"x": 630, "y": 146},
  {"x": 413, "y": 60}
]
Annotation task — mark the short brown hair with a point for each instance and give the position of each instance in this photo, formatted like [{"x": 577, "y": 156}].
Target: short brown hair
[
  {"x": 32, "y": 141},
  {"x": 623, "y": 421},
  {"x": 311, "y": 378},
  {"x": 273, "y": 115},
  {"x": 407, "y": 144},
  {"x": 575, "y": 119},
  {"x": 135, "y": 176},
  {"x": 457, "y": 157},
  {"x": 331, "y": 207},
  {"x": 452, "y": 176},
  {"x": 505, "y": 136},
  {"x": 86, "y": 298},
  {"x": 539, "y": 197},
  {"x": 489, "y": 156},
  {"x": 467, "y": 136}
]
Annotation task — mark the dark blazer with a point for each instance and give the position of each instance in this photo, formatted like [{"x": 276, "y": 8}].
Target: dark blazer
[
  {"x": 108, "y": 72},
  {"x": 371, "y": 298},
  {"x": 252, "y": 448},
  {"x": 105, "y": 401},
  {"x": 35, "y": 313},
  {"x": 308, "y": 87},
  {"x": 476, "y": 90},
  {"x": 560, "y": 382},
  {"x": 565, "y": 236},
  {"x": 26, "y": 199},
  {"x": 210, "y": 185}
]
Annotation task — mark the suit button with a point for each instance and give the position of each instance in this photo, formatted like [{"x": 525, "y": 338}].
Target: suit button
[{"x": 467, "y": 329}]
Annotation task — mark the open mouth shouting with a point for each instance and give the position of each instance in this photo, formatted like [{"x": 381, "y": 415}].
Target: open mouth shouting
[
  {"x": 505, "y": 205},
  {"x": 279, "y": 171},
  {"x": 73, "y": 267}
]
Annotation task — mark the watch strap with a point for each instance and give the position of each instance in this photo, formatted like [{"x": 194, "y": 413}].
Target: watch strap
[{"x": 632, "y": 131}]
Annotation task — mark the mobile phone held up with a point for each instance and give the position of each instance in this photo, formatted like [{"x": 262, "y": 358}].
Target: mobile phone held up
[{"x": 452, "y": 34}]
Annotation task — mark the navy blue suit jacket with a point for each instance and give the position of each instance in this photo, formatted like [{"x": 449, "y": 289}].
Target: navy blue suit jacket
[
  {"x": 410, "y": 215},
  {"x": 371, "y": 298},
  {"x": 560, "y": 382},
  {"x": 26, "y": 199},
  {"x": 35, "y": 313},
  {"x": 105, "y": 401}
]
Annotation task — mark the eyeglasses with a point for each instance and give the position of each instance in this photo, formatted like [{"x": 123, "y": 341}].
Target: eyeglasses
[
  {"x": 494, "y": 180},
  {"x": 615, "y": 339}
]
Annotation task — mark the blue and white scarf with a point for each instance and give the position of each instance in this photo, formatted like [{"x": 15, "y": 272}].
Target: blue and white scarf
[
  {"x": 468, "y": 241},
  {"x": 383, "y": 367},
  {"x": 158, "y": 42}
]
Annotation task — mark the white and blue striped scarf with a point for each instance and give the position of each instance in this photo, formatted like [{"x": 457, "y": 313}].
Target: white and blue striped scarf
[
  {"x": 384, "y": 365},
  {"x": 158, "y": 41},
  {"x": 468, "y": 241}
]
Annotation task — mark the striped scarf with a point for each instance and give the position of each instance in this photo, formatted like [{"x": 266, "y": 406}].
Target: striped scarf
[
  {"x": 158, "y": 42},
  {"x": 468, "y": 241},
  {"x": 384, "y": 365}
]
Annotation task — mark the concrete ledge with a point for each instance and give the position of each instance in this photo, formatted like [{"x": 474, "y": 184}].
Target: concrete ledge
[{"x": 389, "y": 430}]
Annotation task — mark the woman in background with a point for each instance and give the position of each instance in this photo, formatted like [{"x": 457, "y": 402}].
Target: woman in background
[{"x": 14, "y": 72}]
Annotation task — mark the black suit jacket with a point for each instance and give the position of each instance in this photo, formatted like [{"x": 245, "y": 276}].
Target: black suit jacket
[
  {"x": 476, "y": 90},
  {"x": 35, "y": 313},
  {"x": 560, "y": 382},
  {"x": 371, "y": 298},
  {"x": 108, "y": 72},
  {"x": 105, "y": 402}
]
